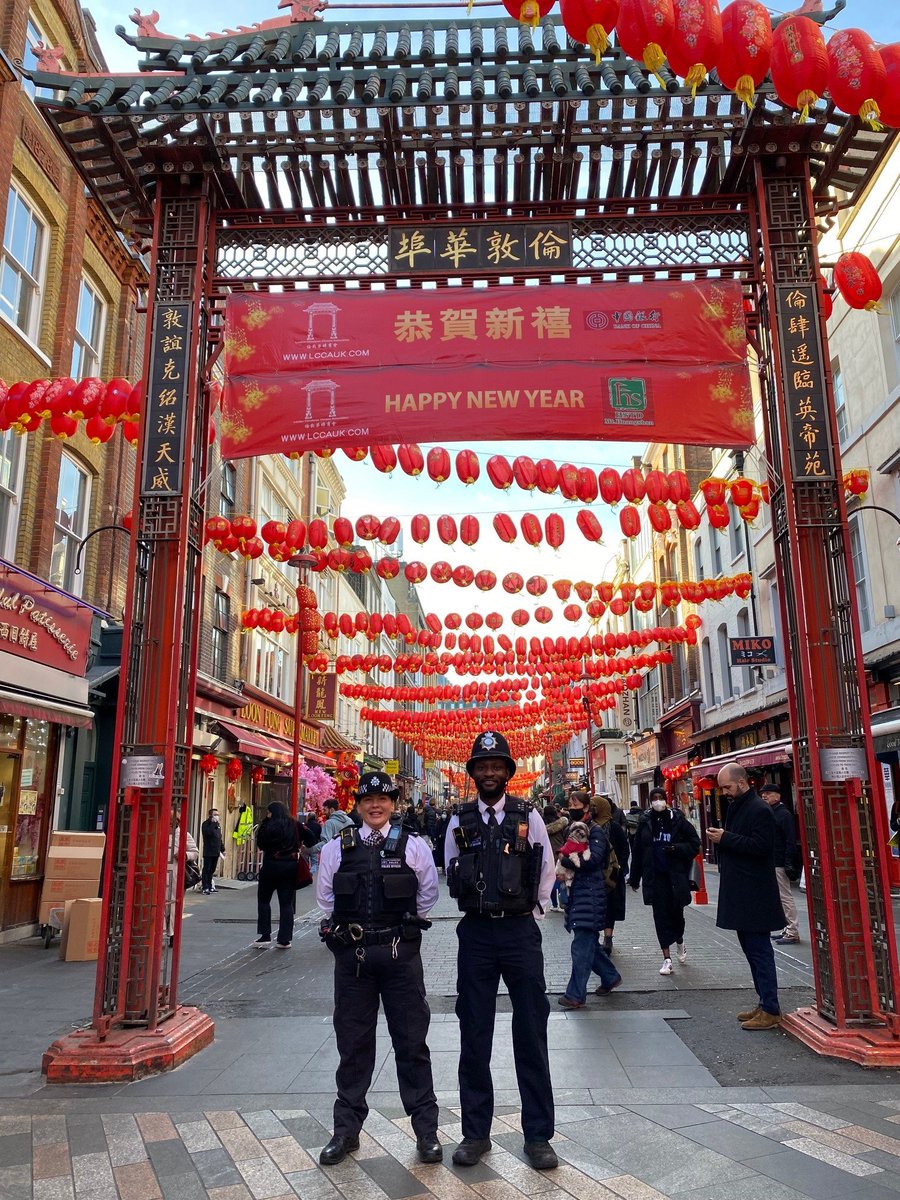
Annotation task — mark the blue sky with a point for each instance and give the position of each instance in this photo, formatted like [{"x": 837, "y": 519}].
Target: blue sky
[{"x": 881, "y": 18}]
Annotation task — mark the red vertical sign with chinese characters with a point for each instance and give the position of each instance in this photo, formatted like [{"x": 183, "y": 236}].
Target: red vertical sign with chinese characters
[{"x": 654, "y": 361}]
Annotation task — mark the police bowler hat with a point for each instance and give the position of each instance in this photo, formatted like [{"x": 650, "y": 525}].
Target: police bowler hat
[
  {"x": 376, "y": 783},
  {"x": 491, "y": 745}
]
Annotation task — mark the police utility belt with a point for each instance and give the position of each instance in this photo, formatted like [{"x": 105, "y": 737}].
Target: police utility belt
[{"x": 351, "y": 934}]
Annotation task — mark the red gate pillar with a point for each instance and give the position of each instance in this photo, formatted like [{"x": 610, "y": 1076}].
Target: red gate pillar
[
  {"x": 138, "y": 1025},
  {"x": 837, "y": 781}
]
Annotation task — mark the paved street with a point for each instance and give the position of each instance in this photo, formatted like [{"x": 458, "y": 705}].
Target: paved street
[{"x": 659, "y": 1092}]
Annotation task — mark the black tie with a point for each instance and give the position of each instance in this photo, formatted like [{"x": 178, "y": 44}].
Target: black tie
[
  {"x": 493, "y": 824},
  {"x": 375, "y": 838}
]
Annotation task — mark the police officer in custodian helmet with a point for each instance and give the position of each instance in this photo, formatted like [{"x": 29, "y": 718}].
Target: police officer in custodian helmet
[
  {"x": 500, "y": 871},
  {"x": 378, "y": 882}
]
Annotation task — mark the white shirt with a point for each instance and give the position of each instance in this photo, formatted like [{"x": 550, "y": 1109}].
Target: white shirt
[
  {"x": 537, "y": 836},
  {"x": 417, "y": 855}
]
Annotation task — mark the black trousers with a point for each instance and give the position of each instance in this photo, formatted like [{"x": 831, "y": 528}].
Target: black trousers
[
  {"x": 210, "y": 862},
  {"x": 399, "y": 984},
  {"x": 508, "y": 949},
  {"x": 277, "y": 875},
  {"x": 668, "y": 915}
]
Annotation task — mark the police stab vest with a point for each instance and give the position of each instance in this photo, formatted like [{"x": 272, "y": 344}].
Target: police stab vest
[
  {"x": 374, "y": 886},
  {"x": 499, "y": 873}
]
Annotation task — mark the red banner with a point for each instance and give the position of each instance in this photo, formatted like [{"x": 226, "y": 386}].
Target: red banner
[
  {"x": 42, "y": 624},
  {"x": 646, "y": 362}
]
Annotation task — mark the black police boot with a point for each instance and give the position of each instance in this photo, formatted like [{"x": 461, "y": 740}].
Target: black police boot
[
  {"x": 470, "y": 1150},
  {"x": 429, "y": 1148},
  {"x": 337, "y": 1149},
  {"x": 541, "y": 1155}
]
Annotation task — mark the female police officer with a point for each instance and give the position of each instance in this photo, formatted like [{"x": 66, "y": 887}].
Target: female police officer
[
  {"x": 500, "y": 865},
  {"x": 378, "y": 882}
]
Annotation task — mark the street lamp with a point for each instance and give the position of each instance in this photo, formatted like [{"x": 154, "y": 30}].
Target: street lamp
[{"x": 301, "y": 562}]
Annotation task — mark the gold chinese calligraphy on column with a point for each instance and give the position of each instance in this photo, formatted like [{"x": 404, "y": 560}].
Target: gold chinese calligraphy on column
[
  {"x": 170, "y": 340},
  {"x": 808, "y": 420}
]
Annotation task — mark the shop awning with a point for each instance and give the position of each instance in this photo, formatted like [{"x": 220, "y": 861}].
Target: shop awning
[
  {"x": 317, "y": 759},
  {"x": 256, "y": 744},
  {"x": 332, "y": 740},
  {"x": 765, "y": 755},
  {"x": 38, "y": 709}
]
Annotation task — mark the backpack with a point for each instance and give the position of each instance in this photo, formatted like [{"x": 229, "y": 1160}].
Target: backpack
[
  {"x": 632, "y": 820},
  {"x": 612, "y": 871}
]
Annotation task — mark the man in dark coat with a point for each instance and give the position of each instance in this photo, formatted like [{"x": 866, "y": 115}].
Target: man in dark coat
[
  {"x": 748, "y": 890},
  {"x": 213, "y": 849},
  {"x": 785, "y": 859},
  {"x": 664, "y": 849}
]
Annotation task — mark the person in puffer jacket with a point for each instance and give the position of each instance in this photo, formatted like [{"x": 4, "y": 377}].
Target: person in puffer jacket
[{"x": 586, "y": 920}]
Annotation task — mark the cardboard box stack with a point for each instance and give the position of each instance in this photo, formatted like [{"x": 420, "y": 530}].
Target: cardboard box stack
[
  {"x": 72, "y": 870},
  {"x": 81, "y": 931}
]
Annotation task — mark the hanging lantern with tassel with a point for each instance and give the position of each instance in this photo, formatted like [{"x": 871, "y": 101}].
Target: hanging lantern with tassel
[
  {"x": 696, "y": 40},
  {"x": 799, "y": 63},
  {"x": 644, "y": 30},
  {"x": 528, "y": 12},
  {"x": 890, "y": 98},
  {"x": 857, "y": 281},
  {"x": 856, "y": 75},
  {"x": 590, "y": 22}
]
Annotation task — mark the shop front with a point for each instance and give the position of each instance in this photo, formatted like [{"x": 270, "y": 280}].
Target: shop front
[
  {"x": 45, "y": 638},
  {"x": 643, "y": 755},
  {"x": 678, "y": 732}
]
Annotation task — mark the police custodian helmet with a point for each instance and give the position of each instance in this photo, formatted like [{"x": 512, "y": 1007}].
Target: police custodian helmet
[
  {"x": 491, "y": 745},
  {"x": 376, "y": 783}
]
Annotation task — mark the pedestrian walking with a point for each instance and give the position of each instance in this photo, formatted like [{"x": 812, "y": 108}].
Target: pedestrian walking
[
  {"x": 785, "y": 861},
  {"x": 610, "y": 819},
  {"x": 500, "y": 871},
  {"x": 279, "y": 840},
  {"x": 335, "y": 820},
  {"x": 213, "y": 850},
  {"x": 586, "y": 914},
  {"x": 556, "y": 827},
  {"x": 665, "y": 846},
  {"x": 748, "y": 890},
  {"x": 377, "y": 883}
]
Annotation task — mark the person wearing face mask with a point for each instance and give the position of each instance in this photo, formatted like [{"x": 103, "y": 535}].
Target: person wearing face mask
[
  {"x": 213, "y": 850},
  {"x": 665, "y": 845}
]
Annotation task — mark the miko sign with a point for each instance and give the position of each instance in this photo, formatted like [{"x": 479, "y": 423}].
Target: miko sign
[
  {"x": 665, "y": 361},
  {"x": 752, "y": 651}
]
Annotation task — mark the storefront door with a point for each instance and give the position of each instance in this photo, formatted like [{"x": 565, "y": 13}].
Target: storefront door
[{"x": 27, "y": 773}]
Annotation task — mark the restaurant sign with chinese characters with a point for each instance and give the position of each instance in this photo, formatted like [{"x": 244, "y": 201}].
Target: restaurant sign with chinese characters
[
  {"x": 166, "y": 400},
  {"x": 321, "y": 696},
  {"x": 646, "y": 361},
  {"x": 809, "y": 430},
  {"x": 480, "y": 247},
  {"x": 42, "y": 624}
]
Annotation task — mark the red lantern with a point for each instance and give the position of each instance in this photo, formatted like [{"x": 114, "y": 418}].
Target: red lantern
[
  {"x": 447, "y": 531},
  {"x": 463, "y": 576},
  {"x": 543, "y": 614},
  {"x": 717, "y": 515},
  {"x": 355, "y": 453},
  {"x": 388, "y": 531},
  {"x": 64, "y": 426},
  {"x": 567, "y": 481},
  {"x": 415, "y": 572},
  {"x": 536, "y": 585},
  {"x": 467, "y": 467},
  {"x": 586, "y": 488},
  {"x": 273, "y": 531},
  {"x": 657, "y": 487},
  {"x": 746, "y": 48},
  {"x": 98, "y": 430},
  {"x": 589, "y": 525},
  {"x": 890, "y": 99},
  {"x": 420, "y": 529},
  {"x": 679, "y": 488},
  {"x": 856, "y": 481},
  {"x": 531, "y": 529},
  {"x": 234, "y": 769},
  {"x": 384, "y": 458},
  {"x": 856, "y": 75},
  {"x": 342, "y": 530},
  {"x": 741, "y": 490},
  {"x": 469, "y": 530},
  {"x": 750, "y": 510},
  {"x": 410, "y": 458},
  {"x": 438, "y": 462},
  {"x": 563, "y": 588},
  {"x": 547, "y": 476},
  {"x": 318, "y": 533},
  {"x": 525, "y": 473},
  {"x": 799, "y": 65},
  {"x": 659, "y": 517},
  {"x": 590, "y": 22},
  {"x": 633, "y": 485},
  {"x": 513, "y": 583},
  {"x": 504, "y": 527},
  {"x": 387, "y": 568},
  {"x": 713, "y": 490},
  {"x": 258, "y": 774},
  {"x": 367, "y": 527},
  {"x": 485, "y": 581},
  {"x": 528, "y": 12},
  {"x": 441, "y": 572},
  {"x": 500, "y": 472},
  {"x": 687, "y": 514},
  {"x": 857, "y": 281},
  {"x": 296, "y": 534},
  {"x": 630, "y": 521},
  {"x": 520, "y": 617},
  {"x": 572, "y": 612},
  {"x": 644, "y": 30},
  {"x": 696, "y": 40},
  {"x": 207, "y": 764},
  {"x": 610, "y": 485},
  {"x": 554, "y": 530}
]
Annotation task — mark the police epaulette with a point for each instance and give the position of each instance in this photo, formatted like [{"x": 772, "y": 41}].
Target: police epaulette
[{"x": 518, "y": 804}]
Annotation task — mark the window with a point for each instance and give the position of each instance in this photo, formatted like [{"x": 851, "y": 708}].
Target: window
[
  {"x": 715, "y": 550},
  {"x": 709, "y": 683},
  {"x": 724, "y": 661},
  {"x": 21, "y": 275},
  {"x": 860, "y": 573},
  {"x": 72, "y": 502},
  {"x": 33, "y": 35},
  {"x": 90, "y": 325},
  {"x": 736, "y": 533},
  {"x": 11, "y": 458},
  {"x": 743, "y": 631},
  {"x": 271, "y": 667},
  {"x": 840, "y": 404},
  {"x": 777, "y": 624},
  {"x": 226, "y": 490},
  {"x": 698, "y": 560},
  {"x": 220, "y": 628}
]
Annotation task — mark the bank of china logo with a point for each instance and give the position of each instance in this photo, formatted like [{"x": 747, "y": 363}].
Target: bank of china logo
[
  {"x": 597, "y": 320},
  {"x": 628, "y": 394},
  {"x": 488, "y": 741}
]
